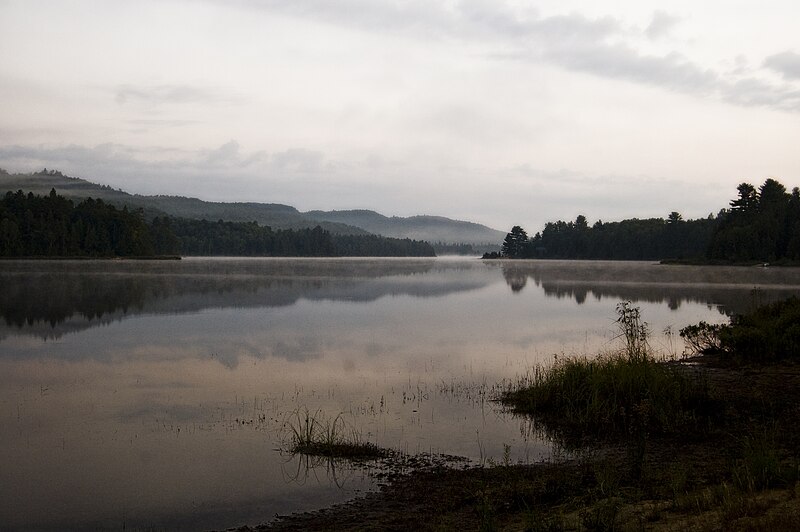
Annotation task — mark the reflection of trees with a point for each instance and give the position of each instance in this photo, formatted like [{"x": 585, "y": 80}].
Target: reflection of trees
[
  {"x": 515, "y": 278},
  {"x": 727, "y": 288},
  {"x": 49, "y": 299}
]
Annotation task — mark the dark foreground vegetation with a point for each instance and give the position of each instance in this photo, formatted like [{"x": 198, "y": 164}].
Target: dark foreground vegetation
[
  {"x": 712, "y": 444},
  {"x": 768, "y": 334},
  {"x": 613, "y": 396},
  {"x": 761, "y": 225},
  {"x": 53, "y": 226}
]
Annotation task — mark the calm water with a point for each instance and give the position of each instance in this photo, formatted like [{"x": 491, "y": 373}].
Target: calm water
[{"x": 137, "y": 394}]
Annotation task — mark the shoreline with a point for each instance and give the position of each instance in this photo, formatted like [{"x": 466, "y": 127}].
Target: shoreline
[
  {"x": 83, "y": 257},
  {"x": 688, "y": 480}
]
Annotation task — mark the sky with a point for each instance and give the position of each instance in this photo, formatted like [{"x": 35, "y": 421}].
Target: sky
[{"x": 499, "y": 112}]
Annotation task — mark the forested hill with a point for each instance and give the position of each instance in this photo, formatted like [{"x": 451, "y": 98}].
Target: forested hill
[
  {"x": 277, "y": 216},
  {"x": 274, "y": 215},
  {"x": 761, "y": 225},
  {"x": 430, "y": 228},
  {"x": 53, "y": 226}
]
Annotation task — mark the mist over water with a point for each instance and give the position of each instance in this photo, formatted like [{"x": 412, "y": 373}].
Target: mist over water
[{"x": 154, "y": 393}]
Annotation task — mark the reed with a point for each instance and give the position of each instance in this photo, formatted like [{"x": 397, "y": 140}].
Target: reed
[
  {"x": 319, "y": 435},
  {"x": 627, "y": 393}
]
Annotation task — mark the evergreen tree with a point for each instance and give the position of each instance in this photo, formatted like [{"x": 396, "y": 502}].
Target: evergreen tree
[{"x": 515, "y": 243}]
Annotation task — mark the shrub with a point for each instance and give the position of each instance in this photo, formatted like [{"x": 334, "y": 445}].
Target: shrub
[{"x": 768, "y": 333}]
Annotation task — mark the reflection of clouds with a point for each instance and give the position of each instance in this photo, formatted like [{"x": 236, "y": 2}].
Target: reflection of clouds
[
  {"x": 302, "y": 348},
  {"x": 453, "y": 307},
  {"x": 374, "y": 349},
  {"x": 170, "y": 412}
]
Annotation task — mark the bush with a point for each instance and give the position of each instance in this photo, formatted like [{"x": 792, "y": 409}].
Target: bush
[
  {"x": 703, "y": 338},
  {"x": 768, "y": 333},
  {"x": 771, "y": 332}
]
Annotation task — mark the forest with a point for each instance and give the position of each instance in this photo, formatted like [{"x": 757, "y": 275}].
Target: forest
[
  {"x": 761, "y": 225},
  {"x": 53, "y": 226}
]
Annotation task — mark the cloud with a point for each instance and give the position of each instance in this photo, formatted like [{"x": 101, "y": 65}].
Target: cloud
[
  {"x": 619, "y": 61},
  {"x": 157, "y": 95},
  {"x": 119, "y": 158},
  {"x": 205, "y": 173},
  {"x": 603, "y": 47},
  {"x": 144, "y": 122},
  {"x": 410, "y": 15},
  {"x": 787, "y": 64},
  {"x": 661, "y": 25},
  {"x": 226, "y": 154},
  {"x": 753, "y": 92},
  {"x": 297, "y": 160},
  {"x": 307, "y": 179}
]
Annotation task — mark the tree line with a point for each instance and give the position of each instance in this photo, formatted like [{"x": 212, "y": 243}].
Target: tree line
[
  {"x": 53, "y": 226},
  {"x": 761, "y": 225}
]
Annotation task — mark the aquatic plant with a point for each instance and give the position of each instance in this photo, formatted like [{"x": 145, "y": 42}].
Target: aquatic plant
[
  {"x": 318, "y": 435},
  {"x": 629, "y": 393}
]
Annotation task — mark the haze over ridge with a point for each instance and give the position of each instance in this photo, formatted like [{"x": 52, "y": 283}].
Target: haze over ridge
[{"x": 507, "y": 112}]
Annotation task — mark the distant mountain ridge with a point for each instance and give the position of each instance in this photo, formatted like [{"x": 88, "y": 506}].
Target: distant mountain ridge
[
  {"x": 430, "y": 228},
  {"x": 278, "y": 216}
]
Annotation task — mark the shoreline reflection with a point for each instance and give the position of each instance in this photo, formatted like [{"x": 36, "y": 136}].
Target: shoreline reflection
[{"x": 716, "y": 286}]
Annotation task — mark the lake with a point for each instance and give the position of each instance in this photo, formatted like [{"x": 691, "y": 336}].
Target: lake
[{"x": 155, "y": 394}]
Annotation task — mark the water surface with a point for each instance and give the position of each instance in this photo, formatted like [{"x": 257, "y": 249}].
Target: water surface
[{"x": 137, "y": 394}]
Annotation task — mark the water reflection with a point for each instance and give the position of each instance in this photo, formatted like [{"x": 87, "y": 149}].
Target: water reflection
[
  {"x": 639, "y": 282},
  {"x": 50, "y": 299},
  {"x": 154, "y": 394}
]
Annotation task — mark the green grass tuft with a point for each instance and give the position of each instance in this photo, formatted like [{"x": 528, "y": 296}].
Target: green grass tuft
[{"x": 317, "y": 435}]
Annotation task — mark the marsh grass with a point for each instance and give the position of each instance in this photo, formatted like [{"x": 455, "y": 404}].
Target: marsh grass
[
  {"x": 611, "y": 395},
  {"x": 318, "y": 435},
  {"x": 761, "y": 466},
  {"x": 630, "y": 393}
]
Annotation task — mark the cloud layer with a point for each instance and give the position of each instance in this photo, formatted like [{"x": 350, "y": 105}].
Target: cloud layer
[{"x": 499, "y": 111}]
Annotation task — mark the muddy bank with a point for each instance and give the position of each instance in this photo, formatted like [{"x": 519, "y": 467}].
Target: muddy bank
[{"x": 740, "y": 474}]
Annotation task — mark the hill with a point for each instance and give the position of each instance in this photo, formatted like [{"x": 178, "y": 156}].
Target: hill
[
  {"x": 275, "y": 215},
  {"x": 430, "y": 228},
  {"x": 278, "y": 216}
]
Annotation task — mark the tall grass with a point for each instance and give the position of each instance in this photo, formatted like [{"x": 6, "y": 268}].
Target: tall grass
[
  {"x": 318, "y": 435},
  {"x": 611, "y": 395},
  {"x": 629, "y": 392}
]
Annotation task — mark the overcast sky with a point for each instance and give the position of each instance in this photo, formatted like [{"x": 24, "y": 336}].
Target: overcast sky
[{"x": 500, "y": 112}]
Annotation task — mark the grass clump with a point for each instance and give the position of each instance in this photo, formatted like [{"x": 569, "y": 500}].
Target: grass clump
[
  {"x": 628, "y": 393},
  {"x": 611, "y": 395},
  {"x": 318, "y": 435}
]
